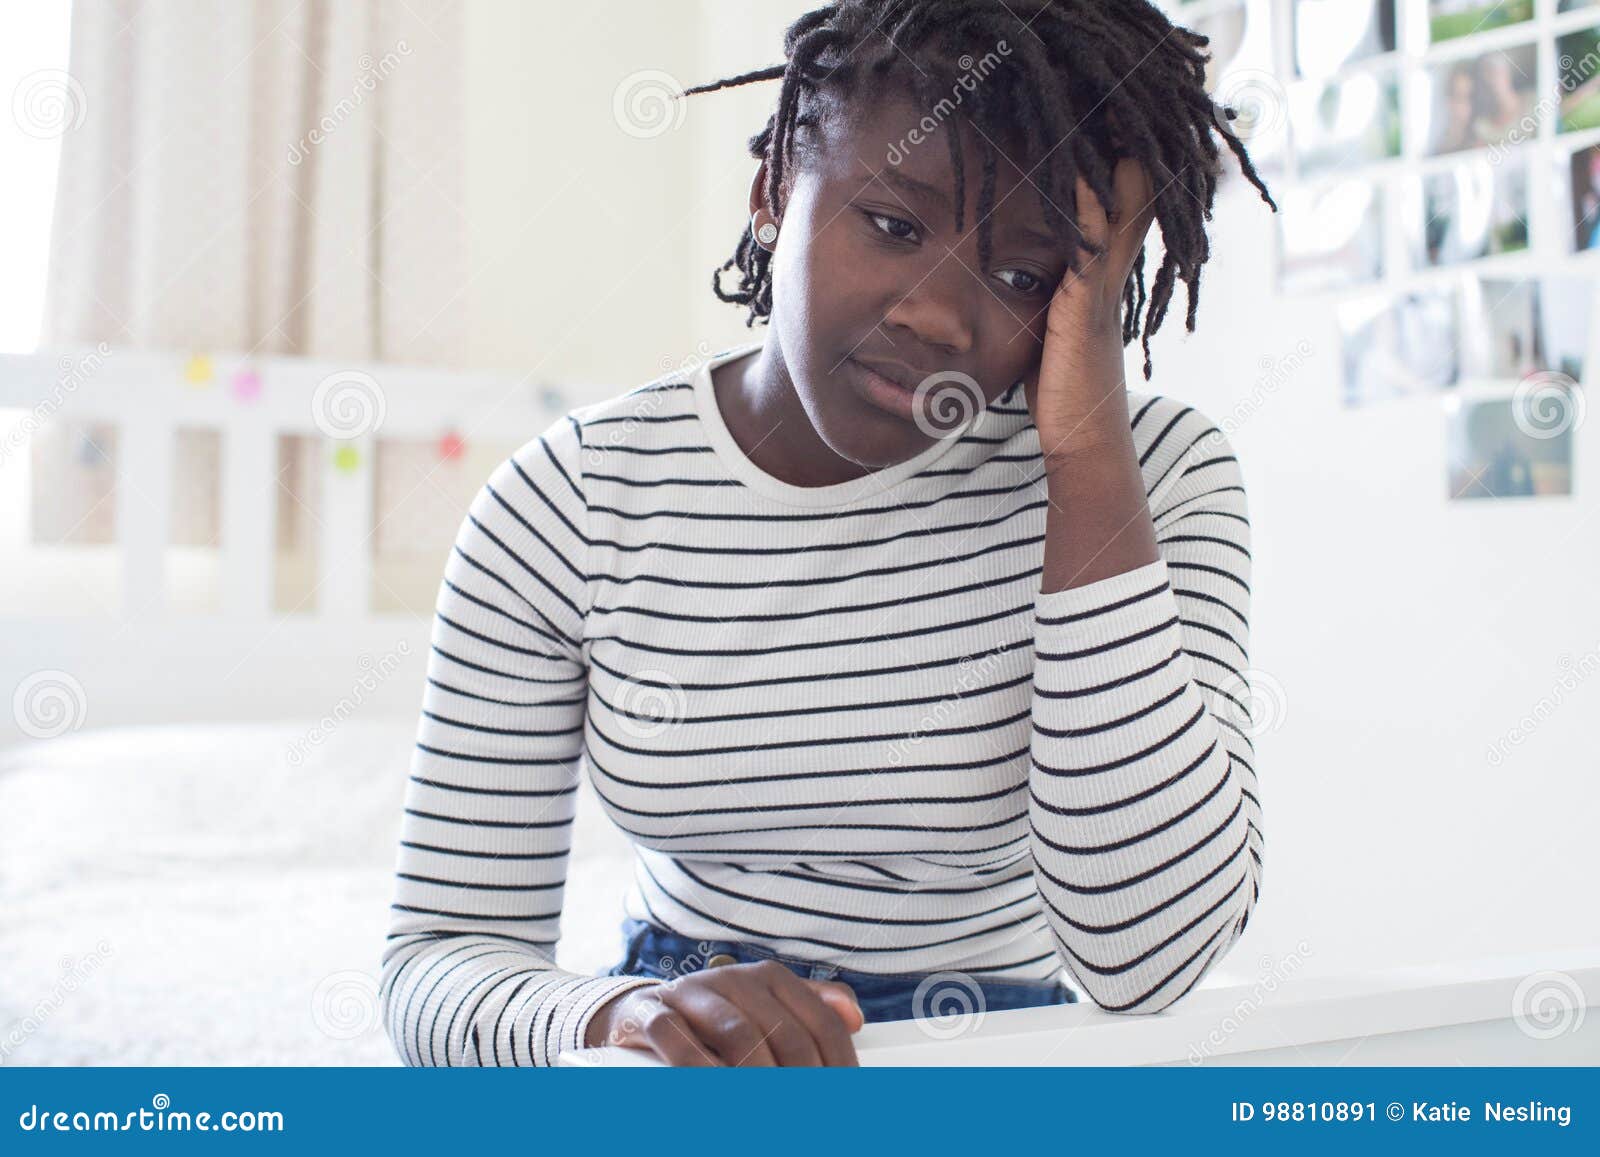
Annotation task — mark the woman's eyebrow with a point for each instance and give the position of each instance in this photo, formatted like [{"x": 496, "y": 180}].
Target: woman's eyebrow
[
  {"x": 1027, "y": 233},
  {"x": 915, "y": 187}
]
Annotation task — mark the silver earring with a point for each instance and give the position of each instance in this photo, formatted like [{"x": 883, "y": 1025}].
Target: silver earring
[{"x": 767, "y": 234}]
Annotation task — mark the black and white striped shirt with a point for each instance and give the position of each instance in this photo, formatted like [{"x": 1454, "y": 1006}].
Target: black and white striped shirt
[{"x": 842, "y": 722}]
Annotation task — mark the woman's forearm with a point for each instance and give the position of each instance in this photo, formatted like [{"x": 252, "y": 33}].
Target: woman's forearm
[{"x": 1099, "y": 521}]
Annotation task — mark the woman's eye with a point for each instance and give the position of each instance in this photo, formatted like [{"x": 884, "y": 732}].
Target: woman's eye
[
  {"x": 894, "y": 226},
  {"x": 1029, "y": 283}
]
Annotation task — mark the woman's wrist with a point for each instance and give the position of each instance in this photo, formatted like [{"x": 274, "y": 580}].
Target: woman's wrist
[
  {"x": 599, "y": 1027},
  {"x": 605, "y": 1018}
]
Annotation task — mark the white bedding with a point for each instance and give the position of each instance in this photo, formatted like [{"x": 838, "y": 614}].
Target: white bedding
[{"x": 185, "y": 895}]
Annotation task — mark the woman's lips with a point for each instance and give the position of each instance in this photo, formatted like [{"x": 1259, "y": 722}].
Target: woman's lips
[{"x": 886, "y": 393}]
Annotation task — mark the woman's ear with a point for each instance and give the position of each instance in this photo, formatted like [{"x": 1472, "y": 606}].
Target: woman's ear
[
  {"x": 763, "y": 225},
  {"x": 758, "y": 189}
]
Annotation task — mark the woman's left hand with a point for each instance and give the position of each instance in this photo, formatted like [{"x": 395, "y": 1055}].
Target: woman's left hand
[{"x": 1078, "y": 395}]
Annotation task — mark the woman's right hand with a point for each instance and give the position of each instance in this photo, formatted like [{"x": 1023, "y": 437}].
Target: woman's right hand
[{"x": 735, "y": 1015}]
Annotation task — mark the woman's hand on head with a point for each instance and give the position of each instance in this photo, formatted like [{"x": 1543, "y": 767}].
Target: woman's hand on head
[
  {"x": 735, "y": 1015},
  {"x": 1079, "y": 387}
]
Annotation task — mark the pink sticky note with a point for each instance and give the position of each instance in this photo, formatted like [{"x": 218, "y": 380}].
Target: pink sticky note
[{"x": 246, "y": 385}]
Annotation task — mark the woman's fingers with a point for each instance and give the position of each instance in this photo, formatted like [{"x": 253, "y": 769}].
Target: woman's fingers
[
  {"x": 731, "y": 1028},
  {"x": 1130, "y": 181},
  {"x": 822, "y": 1013},
  {"x": 786, "y": 1013},
  {"x": 1135, "y": 208},
  {"x": 790, "y": 1036},
  {"x": 830, "y": 1010},
  {"x": 1119, "y": 231},
  {"x": 842, "y": 999},
  {"x": 1092, "y": 218},
  {"x": 746, "y": 1015}
]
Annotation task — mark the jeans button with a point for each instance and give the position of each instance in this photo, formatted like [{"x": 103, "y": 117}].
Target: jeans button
[{"x": 719, "y": 959}]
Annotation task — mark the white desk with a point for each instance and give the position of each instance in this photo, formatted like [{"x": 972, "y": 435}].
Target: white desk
[{"x": 1460, "y": 1013}]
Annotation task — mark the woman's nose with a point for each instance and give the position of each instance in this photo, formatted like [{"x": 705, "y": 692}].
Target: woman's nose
[{"x": 939, "y": 310}]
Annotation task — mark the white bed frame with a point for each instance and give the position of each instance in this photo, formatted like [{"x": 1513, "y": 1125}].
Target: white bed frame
[{"x": 148, "y": 663}]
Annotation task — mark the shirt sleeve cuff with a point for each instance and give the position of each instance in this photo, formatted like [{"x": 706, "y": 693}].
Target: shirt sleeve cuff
[
  {"x": 1103, "y": 595},
  {"x": 579, "y": 1007}
]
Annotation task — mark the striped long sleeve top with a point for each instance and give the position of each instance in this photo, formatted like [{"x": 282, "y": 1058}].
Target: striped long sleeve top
[{"x": 842, "y": 722}]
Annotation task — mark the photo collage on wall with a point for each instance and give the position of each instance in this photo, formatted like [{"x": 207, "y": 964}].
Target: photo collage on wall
[{"x": 1437, "y": 163}]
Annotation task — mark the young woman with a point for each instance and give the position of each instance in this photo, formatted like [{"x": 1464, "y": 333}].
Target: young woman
[{"x": 906, "y": 645}]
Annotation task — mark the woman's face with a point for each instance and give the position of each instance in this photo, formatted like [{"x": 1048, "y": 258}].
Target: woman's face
[
  {"x": 868, "y": 270},
  {"x": 1496, "y": 72},
  {"x": 1460, "y": 100}
]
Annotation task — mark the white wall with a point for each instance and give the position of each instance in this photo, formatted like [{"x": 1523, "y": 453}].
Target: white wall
[
  {"x": 578, "y": 231},
  {"x": 581, "y": 232},
  {"x": 592, "y": 249}
]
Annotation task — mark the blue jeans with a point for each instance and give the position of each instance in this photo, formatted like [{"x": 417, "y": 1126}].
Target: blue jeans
[{"x": 649, "y": 950}]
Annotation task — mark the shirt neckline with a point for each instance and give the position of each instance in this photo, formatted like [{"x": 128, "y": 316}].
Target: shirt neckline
[{"x": 746, "y": 471}]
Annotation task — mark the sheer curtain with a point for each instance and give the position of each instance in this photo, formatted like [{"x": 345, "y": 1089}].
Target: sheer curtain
[{"x": 264, "y": 176}]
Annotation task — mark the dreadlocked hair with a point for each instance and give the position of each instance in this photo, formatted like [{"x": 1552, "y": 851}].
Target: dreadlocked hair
[{"x": 1082, "y": 84}]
